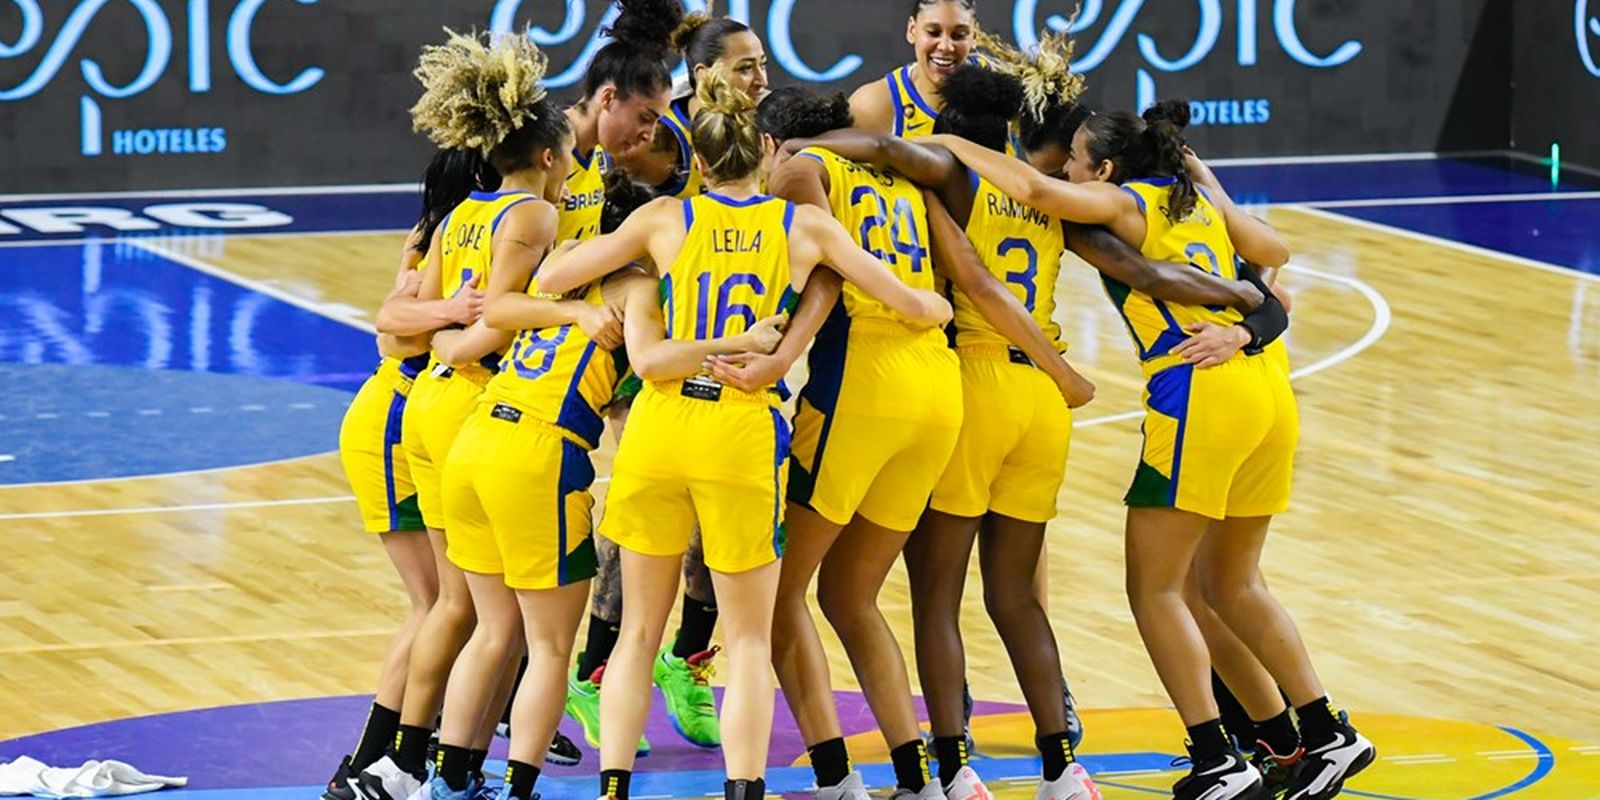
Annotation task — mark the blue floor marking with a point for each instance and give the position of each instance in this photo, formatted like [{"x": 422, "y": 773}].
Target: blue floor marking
[
  {"x": 1558, "y": 232},
  {"x": 116, "y": 362},
  {"x": 235, "y": 214},
  {"x": 1306, "y": 183}
]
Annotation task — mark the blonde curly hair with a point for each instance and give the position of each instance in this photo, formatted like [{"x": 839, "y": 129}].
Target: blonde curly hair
[
  {"x": 725, "y": 132},
  {"x": 1046, "y": 73},
  {"x": 478, "y": 90}
]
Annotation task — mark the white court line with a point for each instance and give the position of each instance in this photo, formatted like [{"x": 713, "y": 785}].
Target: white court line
[
  {"x": 1381, "y": 318},
  {"x": 321, "y": 309},
  {"x": 1346, "y": 158},
  {"x": 352, "y": 188},
  {"x": 1451, "y": 243},
  {"x": 110, "y": 512},
  {"x": 190, "y": 234},
  {"x": 1436, "y": 200}
]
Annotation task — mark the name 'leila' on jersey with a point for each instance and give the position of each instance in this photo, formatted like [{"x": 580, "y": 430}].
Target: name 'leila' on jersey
[{"x": 735, "y": 240}]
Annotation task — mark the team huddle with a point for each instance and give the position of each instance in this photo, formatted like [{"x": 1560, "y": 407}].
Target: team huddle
[{"x": 659, "y": 263}]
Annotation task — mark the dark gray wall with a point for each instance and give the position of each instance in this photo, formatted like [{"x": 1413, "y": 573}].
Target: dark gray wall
[
  {"x": 1557, "y": 77},
  {"x": 269, "y": 92}
]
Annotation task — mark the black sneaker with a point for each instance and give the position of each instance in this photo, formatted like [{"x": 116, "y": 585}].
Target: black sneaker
[
  {"x": 1276, "y": 771},
  {"x": 1227, "y": 778},
  {"x": 339, "y": 785},
  {"x": 1324, "y": 769},
  {"x": 563, "y": 753}
]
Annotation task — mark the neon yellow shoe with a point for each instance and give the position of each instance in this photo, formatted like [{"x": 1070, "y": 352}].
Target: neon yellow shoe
[
  {"x": 690, "y": 704},
  {"x": 583, "y": 706}
]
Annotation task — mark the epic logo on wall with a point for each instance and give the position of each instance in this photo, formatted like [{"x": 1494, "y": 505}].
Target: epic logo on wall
[
  {"x": 1584, "y": 26},
  {"x": 159, "y": 43}
]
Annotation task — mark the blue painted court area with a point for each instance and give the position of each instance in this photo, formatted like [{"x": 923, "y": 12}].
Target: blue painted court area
[
  {"x": 1561, "y": 232},
  {"x": 117, "y": 362},
  {"x": 30, "y": 220},
  {"x": 1366, "y": 180}
]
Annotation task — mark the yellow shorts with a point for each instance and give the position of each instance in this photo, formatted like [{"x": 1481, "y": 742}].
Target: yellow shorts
[
  {"x": 716, "y": 463},
  {"x": 876, "y": 424},
  {"x": 441, "y": 400},
  {"x": 1278, "y": 353},
  {"x": 1220, "y": 441},
  {"x": 370, "y": 450},
  {"x": 1012, "y": 453},
  {"x": 516, "y": 500}
]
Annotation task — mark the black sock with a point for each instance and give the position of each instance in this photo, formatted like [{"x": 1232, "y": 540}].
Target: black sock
[
  {"x": 614, "y": 783},
  {"x": 382, "y": 725},
  {"x": 830, "y": 762},
  {"x": 1279, "y": 734},
  {"x": 694, "y": 635},
  {"x": 522, "y": 669},
  {"x": 1055, "y": 750},
  {"x": 454, "y": 766},
  {"x": 1317, "y": 722},
  {"x": 475, "y": 762},
  {"x": 1208, "y": 740},
  {"x": 910, "y": 765},
  {"x": 520, "y": 779},
  {"x": 744, "y": 789},
  {"x": 411, "y": 748},
  {"x": 951, "y": 753},
  {"x": 602, "y": 639},
  {"x": 1234, "y": 719}
]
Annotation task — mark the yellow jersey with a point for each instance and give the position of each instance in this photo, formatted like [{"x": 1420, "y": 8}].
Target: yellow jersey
[
  {"x": 560, "y": 376},
  {"x": 1202, "y": 241},
  {"x": 688, "y": 182},
  {"x": 585, "y": 198},
  {"x": 1022, "y": 247},
  {"x": 913, "y": 117},
  {"x": 467, "y": 245},
  {"x": 887, "y": 216},
  {"x": 733, "y": 269}
]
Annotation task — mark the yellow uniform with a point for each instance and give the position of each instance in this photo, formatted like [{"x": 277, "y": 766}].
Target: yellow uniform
[
  {"x": 688, "y": 182},
  {"x": 879, "y": 417},
  {"x": 445, "y": 394},
  {"x": 586, "y": 198},
  {"x": 695, "y": 451},
  {"x": 913, "y": 117},
  {"x": 369, "y": 448},
  {"x": 1218, "y": 441},
  {"x": 1012, "y": 454},
  {"x": 516, "y": 487}
]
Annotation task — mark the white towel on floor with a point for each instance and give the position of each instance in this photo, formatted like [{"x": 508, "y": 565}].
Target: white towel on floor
[{"x": 29, "y": 776}]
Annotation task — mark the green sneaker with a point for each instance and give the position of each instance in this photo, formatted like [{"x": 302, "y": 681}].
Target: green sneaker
[
  {"x": 690, "y": 703},
  {"x": 583, "y": 706}
]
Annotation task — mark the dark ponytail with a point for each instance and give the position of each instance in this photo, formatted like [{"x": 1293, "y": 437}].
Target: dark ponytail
[
  {"x": 1164, "y": 155},
  {"x": 451, "y": 176},
  {"x": 623, "y": 197},
  {"x": 636, "y": 61},
  {"x": 794, "y": 112},
  {"x": 979, "y": 105}
]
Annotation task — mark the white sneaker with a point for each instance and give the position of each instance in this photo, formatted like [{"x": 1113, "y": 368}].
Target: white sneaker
[
  {"x": 1074, "y": 784},
  {"x": 930, "y": 791},
  {"x": 967, "y": 786},
  {"x": 385, "y": 780},
  {"x": 853, "y": 787}
]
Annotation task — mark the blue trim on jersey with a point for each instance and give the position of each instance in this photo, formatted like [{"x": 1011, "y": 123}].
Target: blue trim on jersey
[
  {"x": 577, "y": 475},
  {"x": 977, "y": 182},
  {"x": 583, "y": 163},
  {"x": 688, "y": 214},
  {"x": 391, "y": 440},
  {"x": 821, "y": 392},
  {"x": 576, "y": 415},
  {"x": 782, "y": 438},
  {"x": 788, "y": 219},
  {"x": 414, "y": 366},
  {"x": 1137, "y": 198},
  {"x": 899, "y": 107},
  {"x": 911, "y": 89},
  {"x": 816, "y": 157},
  {"x": 745, "y": 203},
  {"x": 666, "y": 298},
  {"x": 1169, "y": 395},
  {"x": 1167, "y": 181},
  {"x": 502, "y": 214},
  {"x": 561, "y": 517},
  {"x": 679, "y": 179},
  {"x": 489, "y": 197}
]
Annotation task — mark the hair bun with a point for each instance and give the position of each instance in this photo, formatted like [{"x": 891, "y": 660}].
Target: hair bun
[
  {"x": 718, "y": 96},
  {"x": 683, "y": 36},
  {"x": 647, "y": 23},
  {"x": 1175, "y": 112}
]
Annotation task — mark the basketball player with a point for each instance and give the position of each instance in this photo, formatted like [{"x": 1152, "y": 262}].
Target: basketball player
[{"x": 699, "y": 452}]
